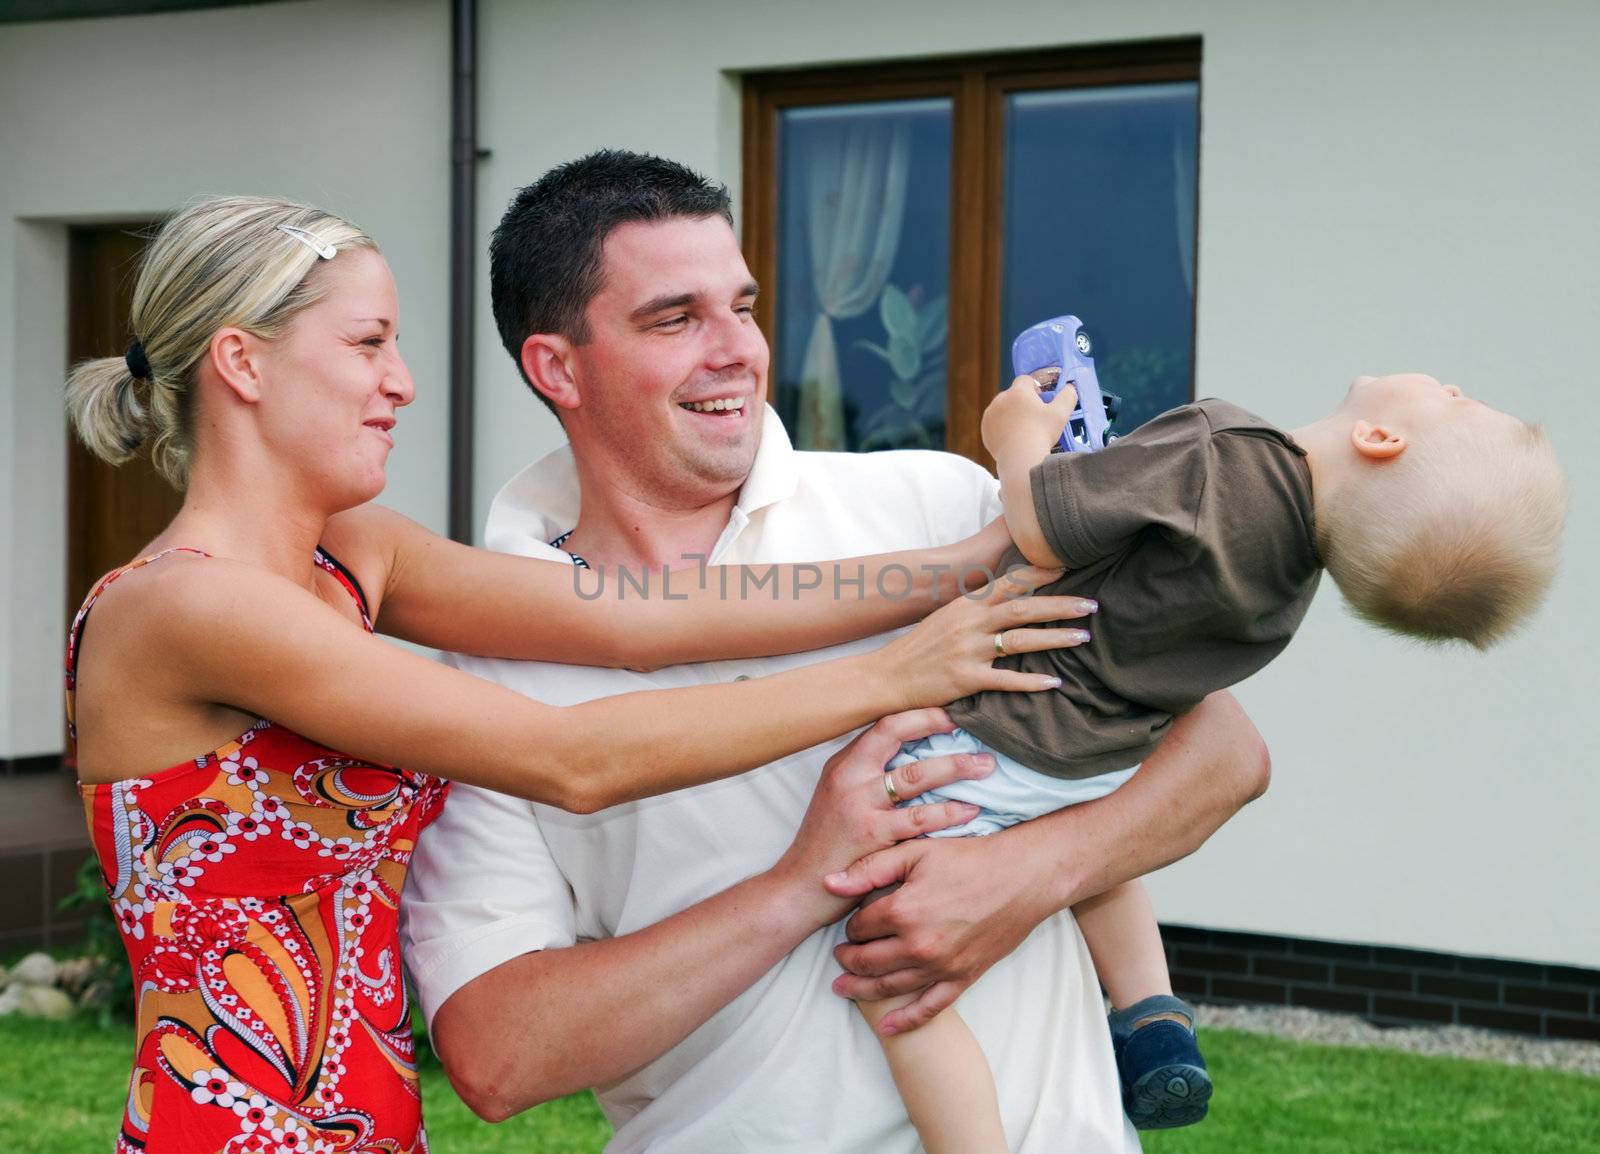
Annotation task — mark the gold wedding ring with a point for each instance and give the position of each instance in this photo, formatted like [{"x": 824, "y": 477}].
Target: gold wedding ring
[
  {"x": 1000, "y": 645},
  {"x": 888, "y": 788}
]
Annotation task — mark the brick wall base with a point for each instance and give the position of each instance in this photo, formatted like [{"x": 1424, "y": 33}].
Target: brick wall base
[
  {"x": 43, "y": 763},
  {"x": 36, "y": 878},
  {"x": 1389, "y": 987}
]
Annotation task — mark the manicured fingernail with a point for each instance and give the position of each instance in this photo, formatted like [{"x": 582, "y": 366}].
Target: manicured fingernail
[
  {"x": 981, "y": 761},
  {"x": 889, "y": 1031},
  {"x": 1088, "y": 606},
  {"x": 1052, "y": 683},
  {"x": 837, "y": 879},
  {"x": 1080, "y": 636}
]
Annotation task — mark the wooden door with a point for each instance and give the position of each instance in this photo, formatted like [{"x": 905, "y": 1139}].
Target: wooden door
[{"x": 112, "y": 511}]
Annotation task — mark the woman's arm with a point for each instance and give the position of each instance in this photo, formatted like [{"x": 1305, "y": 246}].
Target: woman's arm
[
  {"x": 258, "y": 643},
  {"x": 450, "y": 596}
]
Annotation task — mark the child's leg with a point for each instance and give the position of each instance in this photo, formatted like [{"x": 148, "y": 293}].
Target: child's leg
[
  {"x": 1120, "y": 929},
  {"x": 944, "y": 1081},
  {"x": 940, "y": 1070},
  {"x": 1164, "y": 1078}
]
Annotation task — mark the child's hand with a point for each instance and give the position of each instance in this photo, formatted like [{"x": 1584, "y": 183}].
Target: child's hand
[{"x": 1021, "y": 424}]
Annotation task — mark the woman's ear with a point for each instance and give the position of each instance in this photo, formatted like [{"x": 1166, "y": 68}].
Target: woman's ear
[
  {"x": 547, "y": 363},
  {"x": 233, "y": 356},
  {"x": 1376, "y": 442}
]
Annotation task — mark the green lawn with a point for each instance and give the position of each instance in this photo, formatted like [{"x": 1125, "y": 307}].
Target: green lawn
[
  {"x": 61, "y": 1088},
  {"x": 62, "y": 1085},
  {"x": 1278, "y": 1097}
]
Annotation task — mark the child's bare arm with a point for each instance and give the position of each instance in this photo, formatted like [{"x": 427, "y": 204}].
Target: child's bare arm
[{"x": 1019, "y": 429}]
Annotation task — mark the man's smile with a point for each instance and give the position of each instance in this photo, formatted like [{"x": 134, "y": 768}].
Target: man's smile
[{"x": 732, "y": 406}]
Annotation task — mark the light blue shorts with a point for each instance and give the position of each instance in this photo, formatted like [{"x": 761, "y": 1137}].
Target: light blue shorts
[{"x": 1010, "y": 794}]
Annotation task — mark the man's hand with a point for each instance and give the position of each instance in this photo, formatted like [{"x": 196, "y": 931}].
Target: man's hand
[
  {"x": 960, "y": 908},
  {"x": 851, "y": 813},
  {"x": 964, "y": 903},
  {"x": 1022, "y": 426}
]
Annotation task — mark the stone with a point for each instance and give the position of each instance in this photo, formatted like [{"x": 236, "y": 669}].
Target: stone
[
  {"x": 76, "y": 973},
  {"x": 96, "y": 994},
  {"x": 10, "y": 999},
  {"x": 37, "y": 969},
  {"x": 45, "y": 1002}
]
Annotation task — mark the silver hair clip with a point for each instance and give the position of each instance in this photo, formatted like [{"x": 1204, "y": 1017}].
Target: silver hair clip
[{"x": 325, "y": 251}]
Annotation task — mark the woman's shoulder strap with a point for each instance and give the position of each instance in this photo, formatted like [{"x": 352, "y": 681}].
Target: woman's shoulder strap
[{"x": 348, "y": 579}]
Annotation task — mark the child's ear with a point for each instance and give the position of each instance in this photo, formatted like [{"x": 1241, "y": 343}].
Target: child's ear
[{"x": 1376, "y": 442}]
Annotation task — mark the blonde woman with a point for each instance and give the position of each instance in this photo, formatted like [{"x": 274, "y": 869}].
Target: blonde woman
[{"x": 240, "y": 733}]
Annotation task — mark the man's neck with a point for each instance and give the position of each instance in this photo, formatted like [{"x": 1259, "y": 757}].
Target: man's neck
[{"x": 620, "y": 528}]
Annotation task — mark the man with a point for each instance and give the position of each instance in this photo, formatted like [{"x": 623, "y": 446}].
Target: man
[{"x": 622, "y": 949}]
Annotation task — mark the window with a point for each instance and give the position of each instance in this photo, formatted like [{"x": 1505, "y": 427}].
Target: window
[{"x": 905, "y": 221}]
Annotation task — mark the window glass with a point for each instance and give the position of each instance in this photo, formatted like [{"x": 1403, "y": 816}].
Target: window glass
[
  {"x": 863, "y": 263},
  {"x": 1099, "y": 191}
]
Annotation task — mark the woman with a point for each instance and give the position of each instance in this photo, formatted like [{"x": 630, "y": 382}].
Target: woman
[{"x": 257, "y": 884}]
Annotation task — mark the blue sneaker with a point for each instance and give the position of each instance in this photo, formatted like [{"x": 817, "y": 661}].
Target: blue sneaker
[{"x": 1164, "y": 1079}]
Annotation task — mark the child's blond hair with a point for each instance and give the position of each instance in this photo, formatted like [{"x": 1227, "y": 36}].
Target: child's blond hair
[{"x": 1455, "y": 539}]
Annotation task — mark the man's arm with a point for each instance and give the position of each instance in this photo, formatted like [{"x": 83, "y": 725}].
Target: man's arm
[
  {"x": 552, "y": 1021},
  {"x": 556, "y": 1021},
  {"x": 964, "y": 903}
]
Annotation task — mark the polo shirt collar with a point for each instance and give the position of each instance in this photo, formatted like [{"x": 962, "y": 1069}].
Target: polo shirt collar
[
  {"x": 542, "y": 501},
  {"x": 775, "y": 473}
]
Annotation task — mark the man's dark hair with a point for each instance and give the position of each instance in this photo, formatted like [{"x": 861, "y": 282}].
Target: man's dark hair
[{"x": 544, "y": 258}]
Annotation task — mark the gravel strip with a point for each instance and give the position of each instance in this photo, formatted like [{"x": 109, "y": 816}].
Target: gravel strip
[{"x": 1302, "y": 1025}]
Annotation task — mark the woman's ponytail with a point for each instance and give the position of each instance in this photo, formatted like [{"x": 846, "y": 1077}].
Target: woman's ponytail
[{"x": 103, "y": 402}]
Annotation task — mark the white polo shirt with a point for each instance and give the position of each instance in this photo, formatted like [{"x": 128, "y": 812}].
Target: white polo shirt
[{"x": 787, "y": 1065}]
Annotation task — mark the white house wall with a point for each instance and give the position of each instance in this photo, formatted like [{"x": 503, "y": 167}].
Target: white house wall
[
  {"x": 1383, "y": 187},
  {"x": 342, "y": 104}
]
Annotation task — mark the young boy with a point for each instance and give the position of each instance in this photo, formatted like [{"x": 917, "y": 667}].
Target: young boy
[{"x": 1204, "y": 532}]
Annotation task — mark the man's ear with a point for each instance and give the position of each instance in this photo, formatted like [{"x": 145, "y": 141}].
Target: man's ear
[
  {"x": 1376, "y": 442},
  {"x": 232, "y": 355},
  {"x": 547, "y": 363}
]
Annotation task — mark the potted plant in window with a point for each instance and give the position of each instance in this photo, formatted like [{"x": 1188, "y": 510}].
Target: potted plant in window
[{"x": 913, "y": 417}]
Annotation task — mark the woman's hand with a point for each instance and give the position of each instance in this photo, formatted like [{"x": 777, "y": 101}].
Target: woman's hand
[
  {"x": 950, "y": 654},
  {"x": 852, "y": 814}
]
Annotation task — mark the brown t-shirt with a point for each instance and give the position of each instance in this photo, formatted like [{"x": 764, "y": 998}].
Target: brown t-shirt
[{"x": 1194, "y": 533}]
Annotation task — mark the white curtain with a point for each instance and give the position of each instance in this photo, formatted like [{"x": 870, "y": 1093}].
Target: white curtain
[
  {"x": 855, "y": 203},
  {"x": 1183, "y": 175}
]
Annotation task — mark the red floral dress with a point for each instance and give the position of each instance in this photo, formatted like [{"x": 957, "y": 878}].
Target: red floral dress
[{"x": 258, "y": 891}]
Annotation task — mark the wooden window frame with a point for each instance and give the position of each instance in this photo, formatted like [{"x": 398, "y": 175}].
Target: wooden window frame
[{"x": 977, "y": 87}]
